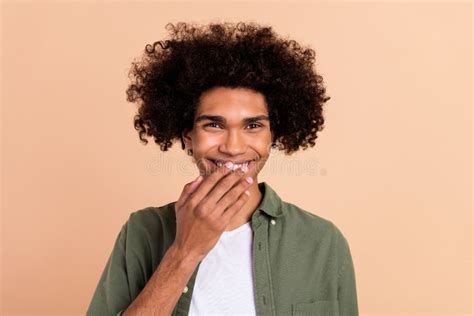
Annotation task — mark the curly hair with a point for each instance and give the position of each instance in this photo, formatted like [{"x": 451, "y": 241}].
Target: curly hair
[{"x": 172, "y": 74}]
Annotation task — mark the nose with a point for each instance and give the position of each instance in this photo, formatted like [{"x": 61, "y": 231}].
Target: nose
[{"x": 234, "y": 144}]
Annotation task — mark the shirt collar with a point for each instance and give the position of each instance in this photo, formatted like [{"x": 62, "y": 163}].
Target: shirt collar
[{"x": 271, "y": 203}]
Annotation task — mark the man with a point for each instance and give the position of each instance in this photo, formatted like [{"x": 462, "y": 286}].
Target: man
[{"x": 229, "y": 245}]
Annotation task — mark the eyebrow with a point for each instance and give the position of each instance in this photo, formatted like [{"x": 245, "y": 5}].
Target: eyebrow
[{"x": 221, "y": 119}]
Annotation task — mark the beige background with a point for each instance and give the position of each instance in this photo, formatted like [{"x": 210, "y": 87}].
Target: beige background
[{"x": 392, "y": 169}]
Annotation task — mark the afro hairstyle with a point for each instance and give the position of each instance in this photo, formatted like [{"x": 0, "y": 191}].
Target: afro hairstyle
[{"x": 171, "y": 75}]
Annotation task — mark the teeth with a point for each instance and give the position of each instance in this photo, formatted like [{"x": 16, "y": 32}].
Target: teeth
[{"x": 234, "y": 166}]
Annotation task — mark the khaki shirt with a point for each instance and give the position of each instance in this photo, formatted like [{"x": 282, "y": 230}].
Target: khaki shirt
[{"x": 302, "y": 262}]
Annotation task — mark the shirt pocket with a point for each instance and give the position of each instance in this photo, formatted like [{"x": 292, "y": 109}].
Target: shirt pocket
[{"x": 316, "y": 308}]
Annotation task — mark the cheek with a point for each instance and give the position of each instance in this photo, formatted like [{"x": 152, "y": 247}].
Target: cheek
[
  {"x": 262, "y": 146},
  {"x": 203, "y": 141}
]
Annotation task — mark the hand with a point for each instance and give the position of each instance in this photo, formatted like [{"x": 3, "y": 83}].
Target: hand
[{"x": 205, "y": 208}]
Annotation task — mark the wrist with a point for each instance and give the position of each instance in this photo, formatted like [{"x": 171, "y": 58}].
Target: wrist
[{"x": 183, "y": 258}]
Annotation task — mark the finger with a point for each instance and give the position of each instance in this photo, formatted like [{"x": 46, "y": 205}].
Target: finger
[
  {"x": 227, "y": 191},
  {"x": 235, "y": 208},
  {"x": 188, "y": 189},
  {"x": 208, "y": 183}
]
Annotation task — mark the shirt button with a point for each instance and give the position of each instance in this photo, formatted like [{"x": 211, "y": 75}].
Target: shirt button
[
  {"x": 185, "y": 290},
  {"x": 273, "y": 222}
]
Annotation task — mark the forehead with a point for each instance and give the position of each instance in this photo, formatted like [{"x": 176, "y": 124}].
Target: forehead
[{"x": 232, "y": 101}]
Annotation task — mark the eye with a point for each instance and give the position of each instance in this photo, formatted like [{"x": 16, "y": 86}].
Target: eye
[
  {"x": 209, "y": 124},
  {"x": 213, "y": 124},
  {"x": 255, "y": 124}
]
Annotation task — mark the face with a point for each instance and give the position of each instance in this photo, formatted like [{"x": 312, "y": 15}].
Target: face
[{"x": 230, "y": 124}]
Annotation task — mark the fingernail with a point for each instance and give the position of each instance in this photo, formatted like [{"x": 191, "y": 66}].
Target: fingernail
[
  {"x": 199, "y": 178},
  {"x": 249, "y": 180}
]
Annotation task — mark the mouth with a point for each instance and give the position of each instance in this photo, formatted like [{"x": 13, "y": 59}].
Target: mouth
[{"x": 236, "y": 165}]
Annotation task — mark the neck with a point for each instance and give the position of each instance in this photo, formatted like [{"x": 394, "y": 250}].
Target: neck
[{"x": 245, "y": 213}]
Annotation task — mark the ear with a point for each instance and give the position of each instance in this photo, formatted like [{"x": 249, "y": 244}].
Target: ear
[{"x": 186, "y": 137}]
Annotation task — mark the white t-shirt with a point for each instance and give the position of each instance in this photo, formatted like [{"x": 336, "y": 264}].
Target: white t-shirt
[{"x": 224, "y": 282}]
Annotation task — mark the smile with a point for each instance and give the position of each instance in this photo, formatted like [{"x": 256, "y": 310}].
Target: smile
[{"x": 235, "y": 165}]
